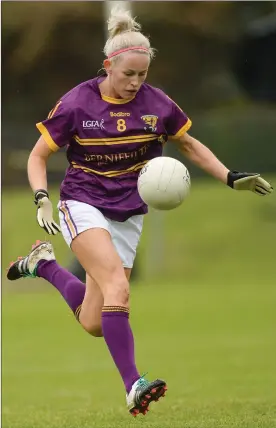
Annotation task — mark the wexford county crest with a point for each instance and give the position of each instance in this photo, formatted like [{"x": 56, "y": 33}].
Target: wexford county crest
[{"x": 150, "y": 122}]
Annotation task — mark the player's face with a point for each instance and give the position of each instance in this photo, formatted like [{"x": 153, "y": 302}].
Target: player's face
[{"x": 128, "y": 73}]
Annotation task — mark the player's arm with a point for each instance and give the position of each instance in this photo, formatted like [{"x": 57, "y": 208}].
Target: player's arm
[
  {"x": 37, "y": 175},
  {"x": 37, "y": 165},
  {"x": 203, "y": 157},
  {"x": 56, "y": 132}
]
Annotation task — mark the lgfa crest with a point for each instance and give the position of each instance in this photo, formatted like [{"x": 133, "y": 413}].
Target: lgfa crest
[{"x": 150, "y": 122}]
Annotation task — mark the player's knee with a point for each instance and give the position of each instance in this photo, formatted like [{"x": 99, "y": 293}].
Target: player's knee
[
  {"x": 122, "y": 294},
  {"x": 118, "y": 291}
]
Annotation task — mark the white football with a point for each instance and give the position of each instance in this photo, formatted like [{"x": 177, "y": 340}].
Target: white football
[{"x": 164, "y": 183}]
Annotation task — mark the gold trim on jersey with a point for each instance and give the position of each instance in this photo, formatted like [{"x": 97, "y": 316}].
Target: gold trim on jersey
[
  {"x": 116, "y": 100},
  {"x": 115, "y": 173},
  {"x": 182, "y": 130},
  {"x": 52, "y": 112},
  {"x": 115, "y": 140},
  {"x": 47, "y": 137}
]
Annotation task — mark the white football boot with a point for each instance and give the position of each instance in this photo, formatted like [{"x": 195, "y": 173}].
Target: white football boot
[{"x": 27, "y": 266}]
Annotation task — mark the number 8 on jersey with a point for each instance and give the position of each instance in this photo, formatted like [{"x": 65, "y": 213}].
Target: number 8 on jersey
[{"x": 121, "y": 125}]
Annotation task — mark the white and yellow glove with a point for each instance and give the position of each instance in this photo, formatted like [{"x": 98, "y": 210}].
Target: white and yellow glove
[
  {"x": 44, "y": 213},
  {"x": 249, "y": 181}
]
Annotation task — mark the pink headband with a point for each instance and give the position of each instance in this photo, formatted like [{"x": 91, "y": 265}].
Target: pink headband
[{"x": 128, "y": 49}]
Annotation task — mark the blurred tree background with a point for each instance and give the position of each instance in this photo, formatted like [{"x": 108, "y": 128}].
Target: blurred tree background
[
  {"x": 205, "y": 291},
  {"x": 215, "y": 59}
]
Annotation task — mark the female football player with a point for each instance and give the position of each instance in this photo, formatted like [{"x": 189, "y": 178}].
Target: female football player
[{"x": 112, "y": 126}]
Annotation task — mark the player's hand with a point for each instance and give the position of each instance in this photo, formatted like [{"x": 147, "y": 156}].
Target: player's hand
[
  {"x": 249, "y": 181},
  {"x": 45, "y": 212}
]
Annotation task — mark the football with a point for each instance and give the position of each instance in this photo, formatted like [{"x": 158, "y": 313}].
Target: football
[{"x": 164, "y": 183}]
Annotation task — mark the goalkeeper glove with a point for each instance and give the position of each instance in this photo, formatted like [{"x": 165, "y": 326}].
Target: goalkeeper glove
[
  {"x": 248, "y": 181},
  {"x": 44, "y": 213}
]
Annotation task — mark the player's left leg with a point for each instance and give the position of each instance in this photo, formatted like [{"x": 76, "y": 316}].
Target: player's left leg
[
  {"x": 41, "y": 262},
  {"x": 85, "y": 300}
]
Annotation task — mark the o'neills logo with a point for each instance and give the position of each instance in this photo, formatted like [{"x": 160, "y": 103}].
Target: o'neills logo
[{"x": 119, "y": 114}]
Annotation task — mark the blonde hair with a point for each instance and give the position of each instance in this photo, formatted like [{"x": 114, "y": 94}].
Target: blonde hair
[{"x": 124, "y": 32}]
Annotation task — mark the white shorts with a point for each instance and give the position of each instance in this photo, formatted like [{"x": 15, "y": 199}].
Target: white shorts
[{"x": 76, "y": 217}]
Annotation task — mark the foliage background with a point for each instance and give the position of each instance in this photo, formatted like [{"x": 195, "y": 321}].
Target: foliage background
[{"x": 203, "y": 302}]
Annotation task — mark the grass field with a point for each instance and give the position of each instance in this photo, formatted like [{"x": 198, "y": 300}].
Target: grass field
[
  {"x": 216, "y": 348},
  {"x": 208, "y": 330}
]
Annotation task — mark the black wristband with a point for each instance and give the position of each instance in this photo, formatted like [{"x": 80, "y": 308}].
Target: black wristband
[
  {"x": 236, "y": 175},
  {"x": 231, "y": 177},
  {"x": 39, "y": 194}
]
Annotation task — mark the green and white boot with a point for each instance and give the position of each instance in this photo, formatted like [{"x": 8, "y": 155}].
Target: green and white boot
[
  {"x": 143, "y": 393},
  {"x": 27, "y": 266}
]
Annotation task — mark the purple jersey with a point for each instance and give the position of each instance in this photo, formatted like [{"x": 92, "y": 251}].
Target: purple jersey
[{"x": 108, "y": 142}]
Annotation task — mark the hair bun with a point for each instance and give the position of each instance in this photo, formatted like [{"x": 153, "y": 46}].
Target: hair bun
[{"x": 121, "y": 21}]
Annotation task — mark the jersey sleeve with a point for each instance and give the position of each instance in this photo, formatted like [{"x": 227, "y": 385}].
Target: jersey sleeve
[
  {"x": 178, "y": 122},
  {"x": 57, "y": 129}
]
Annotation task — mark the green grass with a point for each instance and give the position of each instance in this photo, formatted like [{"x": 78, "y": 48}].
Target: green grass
[
  {"x": 215, "y": 347},
  {"x": 204, "y": 320}
]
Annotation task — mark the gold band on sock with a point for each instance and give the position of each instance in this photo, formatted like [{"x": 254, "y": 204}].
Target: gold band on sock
[
  {"x": 115, "y": 309},
  {"x": 77, "y": 312}
]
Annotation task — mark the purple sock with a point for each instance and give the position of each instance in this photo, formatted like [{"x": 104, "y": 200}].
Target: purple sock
[
  {"x": 69, "y": 286},
  {"x": 119, "y": 339}
]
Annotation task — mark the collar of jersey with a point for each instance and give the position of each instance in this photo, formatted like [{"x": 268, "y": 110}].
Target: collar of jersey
[{"x": 116, "y": 100}]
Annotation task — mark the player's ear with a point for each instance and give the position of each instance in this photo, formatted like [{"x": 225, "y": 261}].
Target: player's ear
[{"x": 107, "y": 66}]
